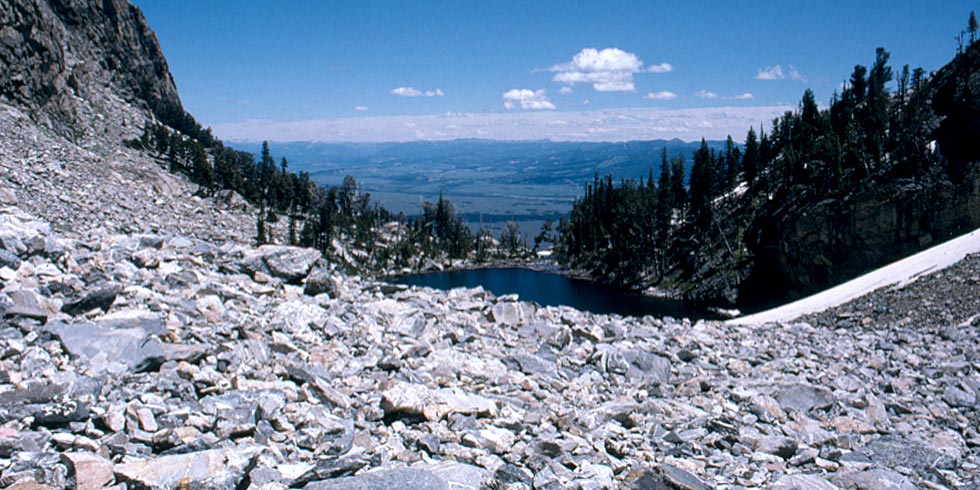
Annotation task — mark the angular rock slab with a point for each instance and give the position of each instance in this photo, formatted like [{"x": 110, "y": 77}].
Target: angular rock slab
[
  {"x": 216, "y": 469},
  {"x": 290, "y": 264},
  {"x": 418, "y": 400},
  {"x": 91, "y": 472},
  {"x": 802, "y": 482},
  {"x": 403, "y": 478},
  {"x": 131, "y": 347}
]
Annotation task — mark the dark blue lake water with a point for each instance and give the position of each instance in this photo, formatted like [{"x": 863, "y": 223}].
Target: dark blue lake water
[{"x": 550, "y": 289}]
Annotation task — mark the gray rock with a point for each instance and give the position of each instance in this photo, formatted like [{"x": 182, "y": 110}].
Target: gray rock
[
  {"x": 802, "y": 482},
  {"x": 894, "y": 451},
  {"x": 91, "y": 472},
  {"x": 456, "y": 475},
  {"x": 9, "y": 259},
  {"x": 130, "y": 347},
  {"x": 101, "y": 298},
  {"x": 876, "y": 479},
  {"x": 680, "y": 478},
  {"x": 402, "y": 478},
  {"x": 412, "y": 400},
  {"x": 804, "y": 398},
  {"x": 958, "y": 397},
  {"x": 321, "y": 281},
  {"x": 215, "y": 469},
  {"x": 291, "y": 264}
]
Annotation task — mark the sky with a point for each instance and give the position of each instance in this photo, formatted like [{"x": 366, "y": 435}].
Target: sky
[{"x": 363, "y": 70}]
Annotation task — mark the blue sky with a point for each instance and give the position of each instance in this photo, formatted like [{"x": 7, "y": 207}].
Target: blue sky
[{"x": 399, "y": 70}]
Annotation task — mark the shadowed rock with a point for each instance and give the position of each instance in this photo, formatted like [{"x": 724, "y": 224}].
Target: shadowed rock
[{"x": 100, "y": 298}]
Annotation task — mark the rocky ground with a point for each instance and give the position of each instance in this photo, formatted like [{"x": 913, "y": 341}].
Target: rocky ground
[
  {"x": 148, "y": 360},
  {"x": 99, "y": 186}
]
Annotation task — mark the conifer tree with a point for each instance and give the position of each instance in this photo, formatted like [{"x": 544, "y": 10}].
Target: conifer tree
[{"x": 750, "y": 160}]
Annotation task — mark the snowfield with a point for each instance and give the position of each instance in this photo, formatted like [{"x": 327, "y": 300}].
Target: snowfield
[{"x": 896, "y": 274}]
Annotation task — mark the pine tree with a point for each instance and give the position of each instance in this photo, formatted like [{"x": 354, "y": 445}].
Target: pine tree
[
  {"x": 750, "y": 160},
  {"x": 972, "y": 27},
  {"x": 677, "y": 190},
  {"x": 702, "y": 183}
]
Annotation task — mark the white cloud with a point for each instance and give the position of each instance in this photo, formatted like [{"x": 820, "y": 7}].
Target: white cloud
[
  {"x": 661, "y": 68},
  {"x": 745, "y": 96},
  {"x": 360, "y": 108},
  {"x": 607, "y": 70},
  {"x": 662, "y": 95},
  {"x": 704, "y": 94},
  {"x": 795, "y": 75},
  {"x": 527, "y": 99},
  {"x": 771, "y": 73},
  {"x": 565, "y": 90},
  {"x": 414, "y": 92},
  {"x": 645, "y": 123},
  {"x": 776, "y": 73}
]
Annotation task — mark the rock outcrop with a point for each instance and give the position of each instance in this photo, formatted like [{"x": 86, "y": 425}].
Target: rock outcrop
[
  {"x": 74, "y": 63},
  {"x": 799, "y": 251}
]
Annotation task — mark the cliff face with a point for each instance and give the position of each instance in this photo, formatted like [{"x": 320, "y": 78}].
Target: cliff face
[
  {"x": 801, "y": 250},
  {"x": 65, "y": 59}
]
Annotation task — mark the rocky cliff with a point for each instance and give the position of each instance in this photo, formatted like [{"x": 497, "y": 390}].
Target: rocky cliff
[
  {"x": 801, "y": 250},
  {"x": 74, "y": 64}
]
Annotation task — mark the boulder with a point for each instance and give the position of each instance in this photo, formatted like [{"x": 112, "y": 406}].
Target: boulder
[
  {"x": 91, "y": 472},
  {"x": 414, "y": 400},
  {"x": 101, "y": 298},
  {"x": 290, "y": 264},
  {"x": 214, "y": 469},
  {"x": 320, "y": 281},
  {"x": 401, "y": 478},
  {"x": 803, "y": 398},
  {"x": 132, "y": 347}
]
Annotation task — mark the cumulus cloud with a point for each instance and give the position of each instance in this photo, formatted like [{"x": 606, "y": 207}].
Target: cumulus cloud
[
  {"x": 360, "y": 108},
  {"x": 704, "y": 94},
  {"x": 527, "y": 99},
  {"x": 414, "y": 92},
  {"x": 565, "y": 90},
  {"x": 607, "y": 70},
  {"x": 662, "y": 95},
  {"x": 745, "y": 96},
  {"x": 776, "y": 73}
]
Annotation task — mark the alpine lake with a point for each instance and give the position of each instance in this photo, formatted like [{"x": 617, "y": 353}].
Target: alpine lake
[{"x": 554, "y": 289}]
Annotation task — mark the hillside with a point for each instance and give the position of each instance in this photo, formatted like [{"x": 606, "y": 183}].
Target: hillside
[
  {"x": 146, "y": 343},
  {"x": 820, "y": 197}
]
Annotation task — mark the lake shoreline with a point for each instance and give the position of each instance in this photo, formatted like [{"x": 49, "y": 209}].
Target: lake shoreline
[{"x": 544, "y": 283}]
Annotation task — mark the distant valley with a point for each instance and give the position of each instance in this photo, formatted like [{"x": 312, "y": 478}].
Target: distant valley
[{"x": 489, "y": 182}]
